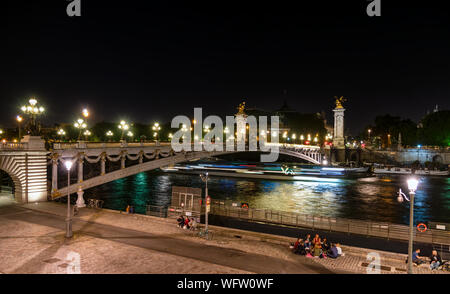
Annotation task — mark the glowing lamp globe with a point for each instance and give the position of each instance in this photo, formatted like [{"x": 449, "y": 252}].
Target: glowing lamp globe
[
  {"x": 412, "y": 184},
  {"x": 68, "y": 164}
]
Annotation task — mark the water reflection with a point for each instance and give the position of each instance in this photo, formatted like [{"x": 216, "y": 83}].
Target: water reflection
[{"x": 370, "y": 198}]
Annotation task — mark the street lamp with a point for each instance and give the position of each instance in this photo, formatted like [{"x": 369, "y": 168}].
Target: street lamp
[
  {"x": 124, "y": 127},
  {"x": 19, "y": 120},
  {"x": 69, "y": 234},
  {"x": 86, "y": 134},
  {"x": 33, "y": 110},
  {"x": 412, "y": 187},
  {"x": 61, "y": 133},
  {"x": 205, "y": 178},
  {"x": 109, "y": 134},
  {"x": 130, "y": 134},
  {"x": 80, "y": 124},
  {"x": 156, "y": 128}
]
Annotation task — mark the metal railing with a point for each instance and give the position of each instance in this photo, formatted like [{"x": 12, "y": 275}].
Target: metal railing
[
  {"x": 158, "y": 211},
  {"x": 332, "y": 224}
]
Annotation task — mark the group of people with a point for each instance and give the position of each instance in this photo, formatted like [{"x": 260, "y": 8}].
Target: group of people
[
  {"x": 129, "y": 209},
  {"x": 186, "y": 222},
  {"x": 435, "y": 259},
  {"x": 317, "y": 247}
]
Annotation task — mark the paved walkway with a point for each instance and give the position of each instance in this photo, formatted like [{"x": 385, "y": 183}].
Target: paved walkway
[
  {"x": 32, "y": 240},
  {"x": 113, "y": 242}
]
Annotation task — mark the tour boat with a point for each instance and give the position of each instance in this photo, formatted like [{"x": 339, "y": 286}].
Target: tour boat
[{"x": 409, "y": 171}]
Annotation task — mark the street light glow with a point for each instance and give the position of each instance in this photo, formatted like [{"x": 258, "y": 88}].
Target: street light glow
[
  {"x": 68, "y": 164},
  {"x": 412, "y": 184}
]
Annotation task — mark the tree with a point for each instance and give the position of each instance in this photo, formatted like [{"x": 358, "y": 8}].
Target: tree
[{"x": 435, "y": 129}]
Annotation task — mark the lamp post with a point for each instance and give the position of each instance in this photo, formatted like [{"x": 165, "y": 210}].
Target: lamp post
[
  {"x": 130, "y": 134},
  {"x": 19, "y": 120},
  {"x": 205, "y": 178},
  {"x": 33, "y": 110},
  {"x": 109, "y": 134},
  {"x": 61, "y": 133},
  {"x": 80, "y": 124},
  {"x": 412, "y": 187},
  {"x": 69, "y": 234},
  {"x": 86, "y": 134},
  {"x": 124, "y": 127},
  {"x": 156, "y": 128}
]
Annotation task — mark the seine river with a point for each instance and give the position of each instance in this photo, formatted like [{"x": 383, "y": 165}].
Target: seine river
[{"x": 370, "y": 198}]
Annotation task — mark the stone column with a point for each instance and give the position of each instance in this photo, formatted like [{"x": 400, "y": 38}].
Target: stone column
[
  {"x": 141, "y": 157},
  {"x": 54, "y": 173},
  {"x": 80, "y": 199},
  {"x": 80, "y": 168},
  {"x": 338, "y": 139},
  {"x": 102, "y": 164},
  {"x": 122, "y": 160}
]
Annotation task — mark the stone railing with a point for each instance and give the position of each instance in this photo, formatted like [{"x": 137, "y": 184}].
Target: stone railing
[
  {"x": 90, "y": 145},
  {"x": 13, "y": 146}
]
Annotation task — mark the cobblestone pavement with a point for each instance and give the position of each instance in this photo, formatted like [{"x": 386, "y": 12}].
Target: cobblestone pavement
[{"x": 103, "y": 251}]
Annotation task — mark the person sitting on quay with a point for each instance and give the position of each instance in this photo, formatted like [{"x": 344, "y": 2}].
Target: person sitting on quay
[
  {"x": 180, "y": 221},
  {"x": 317, "y": 247},
  {"x": 339, "y": 250},
  {"x": 299, "y": 247},
  {"x": 416, "y": 259},
  {"x": 435, "y": 260},
  {"x": 333, "y": 252},
  {"x": 193, "y": 224},
  {"x": 186, "y": 223},
  {"x": 325, "y": 245},
  {"x": 307, "y": 245}
]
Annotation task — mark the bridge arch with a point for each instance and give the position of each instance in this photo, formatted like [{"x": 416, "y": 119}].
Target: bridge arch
[{"x": 12, "y": 168}]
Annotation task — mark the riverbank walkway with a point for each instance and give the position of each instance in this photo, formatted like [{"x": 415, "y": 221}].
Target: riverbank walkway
[{"x": 32, "y": 241}]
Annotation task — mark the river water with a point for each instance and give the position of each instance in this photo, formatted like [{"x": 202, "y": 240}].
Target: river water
[{"x": 370, "y": 198}]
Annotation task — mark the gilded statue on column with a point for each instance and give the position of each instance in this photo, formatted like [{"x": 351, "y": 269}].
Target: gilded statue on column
[
  {"x": 241, "y": 109},
  {"x": 339, "y": 101}
]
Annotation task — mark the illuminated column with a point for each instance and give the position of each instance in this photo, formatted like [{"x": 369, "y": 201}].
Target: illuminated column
[
  {"x": 338, "y": 139},
  {"x": 141, "y": 157},
  {"x": 102, "y": 164},
  {"x": 54, "y": 173},
  {"x": 80, "y": 199},
  {"x": 80, "y": 168}
]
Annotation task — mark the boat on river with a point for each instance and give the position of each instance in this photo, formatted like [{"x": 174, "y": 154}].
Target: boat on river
[
  {"x": 410, "y": 171},
  {"x": 273, "y": 171}
]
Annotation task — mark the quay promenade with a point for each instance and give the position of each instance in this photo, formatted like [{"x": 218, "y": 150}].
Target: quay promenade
[{"x": 114, "y": 242}]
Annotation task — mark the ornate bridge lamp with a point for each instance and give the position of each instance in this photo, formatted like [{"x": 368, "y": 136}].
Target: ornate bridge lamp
[
  {"x": 413, "y": 183},
  {"x": 33, "y": 110},
  {"x": 80, "y": 124},
  {"x": 19, "y": 120},
  {"x": 109, "y": 134},
  {"x": 86, "y": 134},
  {"x": 156, "y": 128},
  {"x": 124, "y": 127},
  {"x": 61, "y": 134},
  {"x": 130, "y": 135}
]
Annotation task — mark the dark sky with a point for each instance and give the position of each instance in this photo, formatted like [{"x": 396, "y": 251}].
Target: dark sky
[{"x": 151, "y": 60}]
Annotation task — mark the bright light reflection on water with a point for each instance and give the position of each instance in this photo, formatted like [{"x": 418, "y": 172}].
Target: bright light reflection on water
[{"x": 370, "y": 198}]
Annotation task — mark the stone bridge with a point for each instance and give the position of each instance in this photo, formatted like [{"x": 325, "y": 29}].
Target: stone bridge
[{"x": 27, "y": 163}]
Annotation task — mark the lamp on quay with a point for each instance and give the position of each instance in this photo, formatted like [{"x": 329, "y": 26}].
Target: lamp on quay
[{"x": 69, "y": 233}]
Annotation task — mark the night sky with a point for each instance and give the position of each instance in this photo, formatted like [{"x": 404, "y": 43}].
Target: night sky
[{"x": 151, "y": 60}]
